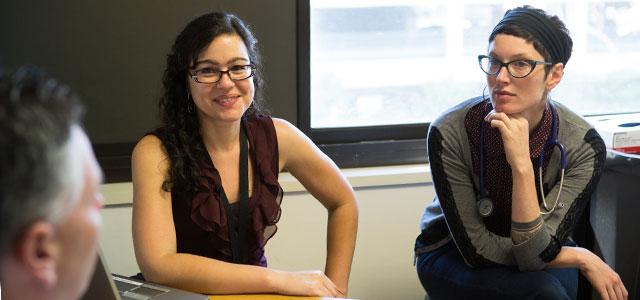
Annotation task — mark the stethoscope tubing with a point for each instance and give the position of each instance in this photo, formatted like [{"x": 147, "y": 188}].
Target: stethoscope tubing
[{"x": 553, "y": 142}]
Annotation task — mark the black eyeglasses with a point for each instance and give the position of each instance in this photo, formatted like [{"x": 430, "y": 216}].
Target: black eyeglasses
[
  {"x": 517, "y": 68},
  {"x": 212, "y": 75}
]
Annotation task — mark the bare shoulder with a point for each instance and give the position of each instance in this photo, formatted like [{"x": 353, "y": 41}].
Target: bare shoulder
[
  {"x": 283, "y": 125},
  {"x": 286, "y": 131},
  {"x": 148, "y": 156},
  {"x": 293, "y": 145},
  {"x": 149, "y": 145}
]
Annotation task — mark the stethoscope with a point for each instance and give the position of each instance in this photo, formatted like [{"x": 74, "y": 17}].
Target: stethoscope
[{"x": 485, "y": 205}]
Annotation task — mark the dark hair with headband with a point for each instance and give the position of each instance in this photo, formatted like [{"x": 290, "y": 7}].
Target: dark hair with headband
[{"x": 548, "y": 34}]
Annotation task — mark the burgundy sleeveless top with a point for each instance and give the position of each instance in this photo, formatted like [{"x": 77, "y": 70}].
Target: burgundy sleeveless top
[{"x": 201, "y": 221}]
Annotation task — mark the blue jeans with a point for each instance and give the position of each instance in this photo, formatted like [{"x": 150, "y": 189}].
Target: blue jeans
[{"x": 444, "y": 275}]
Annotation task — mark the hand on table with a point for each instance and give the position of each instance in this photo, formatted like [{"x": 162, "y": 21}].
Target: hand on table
[{"x": 307, "y": 283}]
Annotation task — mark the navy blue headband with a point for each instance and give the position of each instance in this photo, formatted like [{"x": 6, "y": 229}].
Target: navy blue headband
[{"x": 553, "y": 39}]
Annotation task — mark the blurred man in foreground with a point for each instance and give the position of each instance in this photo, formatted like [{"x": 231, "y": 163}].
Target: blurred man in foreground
[{"x": 49, "y": 190}]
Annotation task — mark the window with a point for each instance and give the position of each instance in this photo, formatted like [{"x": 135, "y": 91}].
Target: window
[{"x": 374, "y": 73}]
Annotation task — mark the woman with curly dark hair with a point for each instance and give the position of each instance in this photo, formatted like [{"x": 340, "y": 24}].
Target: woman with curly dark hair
[{"x": 206, "y": 192}]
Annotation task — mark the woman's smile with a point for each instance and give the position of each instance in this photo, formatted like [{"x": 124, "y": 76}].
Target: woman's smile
[{"x": 227, "y": 100}]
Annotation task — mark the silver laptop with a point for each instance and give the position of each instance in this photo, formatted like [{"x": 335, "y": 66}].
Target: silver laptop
[{"x": 105, "y": 286}]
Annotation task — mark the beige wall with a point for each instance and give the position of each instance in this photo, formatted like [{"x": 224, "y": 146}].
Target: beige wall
[{"x": 391, "y": 203}]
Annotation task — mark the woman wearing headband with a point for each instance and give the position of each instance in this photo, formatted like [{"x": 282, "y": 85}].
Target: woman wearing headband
[{"x": 513, "y": 173}]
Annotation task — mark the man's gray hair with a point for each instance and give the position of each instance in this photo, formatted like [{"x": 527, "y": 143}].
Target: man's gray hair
[{"x": 37, "y": 172}]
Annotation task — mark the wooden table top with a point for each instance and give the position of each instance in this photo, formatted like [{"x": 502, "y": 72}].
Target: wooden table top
[{"x": 267, "y": 297}]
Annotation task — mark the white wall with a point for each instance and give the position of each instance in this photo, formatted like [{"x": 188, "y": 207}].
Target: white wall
[{"x": 383, "y": 261}]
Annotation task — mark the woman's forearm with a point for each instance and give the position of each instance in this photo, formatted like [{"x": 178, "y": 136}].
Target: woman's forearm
[
  {"x": 209, "y": 276},
  {"x": 341, "y": 240},
  {"x": 570, "y": 257},
  {"x": 524, "y": 207}
]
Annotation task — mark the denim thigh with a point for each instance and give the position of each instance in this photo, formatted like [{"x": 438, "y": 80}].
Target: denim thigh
[{"x": 444, "y": 275}]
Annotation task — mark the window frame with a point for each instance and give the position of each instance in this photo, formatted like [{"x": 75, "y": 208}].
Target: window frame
[
  {"x": 352, "y": 146},
  {"x": 115, "y": 160}
]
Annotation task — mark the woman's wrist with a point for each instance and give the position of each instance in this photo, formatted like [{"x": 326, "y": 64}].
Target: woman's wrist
[
  {"x": 586, "y": 259},
  {"x": 580, "y": 257},
  {"x": 522, "y": 168},
  {"x": 274, "y": 280}
]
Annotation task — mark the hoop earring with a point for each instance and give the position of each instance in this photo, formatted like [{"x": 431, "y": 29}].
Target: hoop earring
[{"x": 483, "y": 93}]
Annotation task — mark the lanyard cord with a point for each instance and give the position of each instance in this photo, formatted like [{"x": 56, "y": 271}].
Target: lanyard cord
[{"x": 239, "y": 238}]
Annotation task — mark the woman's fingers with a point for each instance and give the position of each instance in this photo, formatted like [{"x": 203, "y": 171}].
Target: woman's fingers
[
  {"x": 326, "y": 287},
  {"x": 306, "y": 283},
  {"x": 620, "y": 290},
  {"x": 499, "y": 121},
  {"x": 625, "y": 293},
  {"x": 492, "y": 115},
  {"x": 605, "y": 280},
  {"x": 510, "y": 127},
  {"x": 514, "y": 130},
  {"x": 615, "y": 287},
  {"x": 514, "y": 122},
  {"x": 330, "y": 287},
  {"x": 341, "y": 293},
  {"x": 612, "y": 293}
]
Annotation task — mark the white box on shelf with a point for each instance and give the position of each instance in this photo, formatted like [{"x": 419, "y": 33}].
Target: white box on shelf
[{"x": 619, "y": 132}]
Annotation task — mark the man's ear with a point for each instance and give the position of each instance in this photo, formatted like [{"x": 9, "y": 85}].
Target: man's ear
[
  {"x": 554, "y": 76},
  {"x": 38, "y": 252}
]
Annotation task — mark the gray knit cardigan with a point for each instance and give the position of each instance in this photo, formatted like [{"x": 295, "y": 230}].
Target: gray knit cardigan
[{"x": 453, "y": 214}]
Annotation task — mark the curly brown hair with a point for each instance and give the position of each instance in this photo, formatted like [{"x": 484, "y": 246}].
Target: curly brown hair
[{"x": 180, "y": 126}]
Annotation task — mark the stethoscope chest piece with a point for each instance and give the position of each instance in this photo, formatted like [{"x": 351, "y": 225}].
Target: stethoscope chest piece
[{"x": 485, "y": 207}]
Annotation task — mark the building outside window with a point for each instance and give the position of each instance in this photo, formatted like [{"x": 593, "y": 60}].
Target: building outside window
[{"x": 403, "y": 62}]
